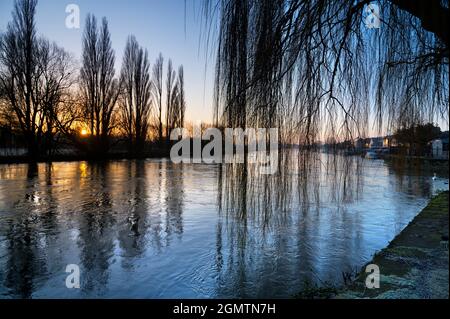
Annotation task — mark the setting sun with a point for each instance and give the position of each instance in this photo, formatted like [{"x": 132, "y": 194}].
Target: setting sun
[{"x": 84, "y": 132}]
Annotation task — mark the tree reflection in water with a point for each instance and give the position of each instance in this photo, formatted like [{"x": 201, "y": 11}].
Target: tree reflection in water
[{"x": 157, "y": 229}]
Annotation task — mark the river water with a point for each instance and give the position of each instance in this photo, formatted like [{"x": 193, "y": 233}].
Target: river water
[{"x": 154, "y": 229}]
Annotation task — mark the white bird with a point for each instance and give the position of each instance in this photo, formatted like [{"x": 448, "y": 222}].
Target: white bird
[{"x": 434, "y": 177}]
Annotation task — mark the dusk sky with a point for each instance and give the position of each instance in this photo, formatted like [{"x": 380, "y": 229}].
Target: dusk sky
[{"x": 173, "y": 28}]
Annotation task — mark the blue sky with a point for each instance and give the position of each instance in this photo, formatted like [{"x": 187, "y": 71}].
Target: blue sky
[{"x": 172, "y": 27}]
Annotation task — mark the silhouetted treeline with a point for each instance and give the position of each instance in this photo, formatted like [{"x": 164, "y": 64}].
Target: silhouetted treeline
[
  {"x": 48, "y": 105},
  {"x": 416, "y": 139}
]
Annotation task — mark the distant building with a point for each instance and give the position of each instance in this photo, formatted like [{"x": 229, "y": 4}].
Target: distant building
[
  {"x": 439, "y": 147},
  {"x": 376, "y": 142},
  {"x": 361, "y": 143},
  {"x": 390, "y": 142}
]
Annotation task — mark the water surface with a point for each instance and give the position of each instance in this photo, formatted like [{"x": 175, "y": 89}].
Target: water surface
[{"x": 194, "y": 236}]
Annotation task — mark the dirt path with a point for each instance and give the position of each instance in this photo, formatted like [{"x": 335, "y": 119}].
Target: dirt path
[{"x": 415, "y": 264}]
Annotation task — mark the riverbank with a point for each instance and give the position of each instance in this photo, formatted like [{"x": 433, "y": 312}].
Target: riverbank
[{"x": 415, "y": 264}]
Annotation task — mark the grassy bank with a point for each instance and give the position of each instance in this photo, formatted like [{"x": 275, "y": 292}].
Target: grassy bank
[{"x": 415, "y": 264}]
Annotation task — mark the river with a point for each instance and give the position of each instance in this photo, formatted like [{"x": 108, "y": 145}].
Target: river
[{"x": 154, "y": 229}]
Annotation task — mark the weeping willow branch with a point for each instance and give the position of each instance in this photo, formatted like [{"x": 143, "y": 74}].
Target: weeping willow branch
[{"x": 314, "y": 69}]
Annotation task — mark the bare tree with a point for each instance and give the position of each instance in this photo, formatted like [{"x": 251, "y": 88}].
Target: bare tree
[
  {"x": 181, "y": 97},
  {"x": 136, "y": 102},
  {"x": 176, "y": 103},
  {"x": 170, "y": 82},
  {"x": 158, "y": 91},
  {"x": 127, "y": 100},
  {"x": 99, "y": 87},
  {"x": 34, "y": 76},
  {"x": 173, "y": 115},
  {"x": 53, "y": 87},
  {"x": 143, "y": 98}
]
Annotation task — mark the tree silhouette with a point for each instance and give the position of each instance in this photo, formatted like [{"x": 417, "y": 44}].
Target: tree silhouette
[
  {"x": 135, "y": 105},
  {"x": 158, "y": 92},
  {"x": 100, "y": 88},
  {"x": 417, "y": 137},
  {"x": 34, "y": 78},
  {"x": 181, "y": 98},
  {"x": 170, "y": 90}
]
